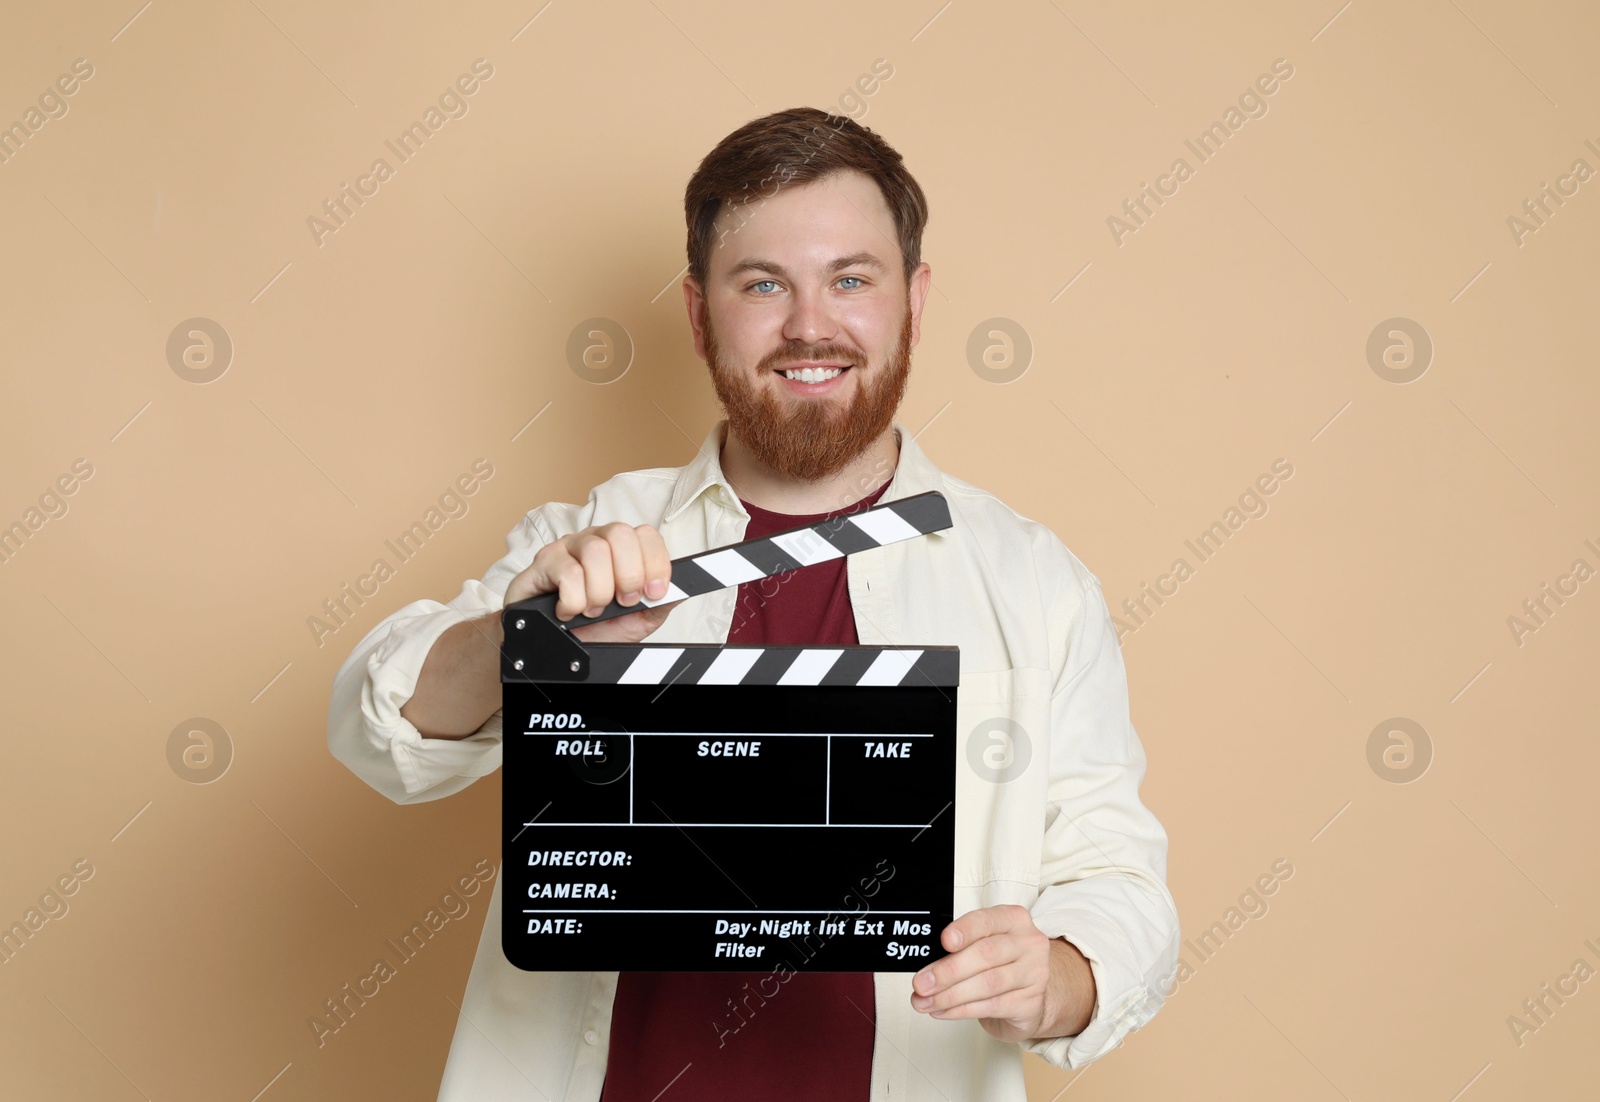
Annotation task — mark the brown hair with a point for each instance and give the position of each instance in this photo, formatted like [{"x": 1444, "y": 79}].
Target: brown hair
[{"x": 797, "y": 146}]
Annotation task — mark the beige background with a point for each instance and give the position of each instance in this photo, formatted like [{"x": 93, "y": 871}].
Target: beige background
[{"x": 1168, "y": 373}]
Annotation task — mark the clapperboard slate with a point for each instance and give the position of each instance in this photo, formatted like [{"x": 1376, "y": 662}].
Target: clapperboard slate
[{"x": 705, "y": 808}]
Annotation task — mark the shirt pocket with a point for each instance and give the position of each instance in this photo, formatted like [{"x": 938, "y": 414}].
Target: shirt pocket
[{"x": 1002, "y": 779}]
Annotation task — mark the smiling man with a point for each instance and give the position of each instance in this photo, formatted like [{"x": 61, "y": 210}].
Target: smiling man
[{"x": 805, "y": 295}]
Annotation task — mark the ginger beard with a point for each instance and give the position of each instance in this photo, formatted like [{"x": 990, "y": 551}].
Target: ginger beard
[{"x": 808, "y": 439}]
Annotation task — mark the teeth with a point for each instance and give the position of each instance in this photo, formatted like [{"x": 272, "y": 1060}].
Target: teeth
[{"x": 813, "y": 375}]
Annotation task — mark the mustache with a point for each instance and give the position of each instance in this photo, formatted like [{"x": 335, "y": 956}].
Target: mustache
[{"x": 825, "y": 354}]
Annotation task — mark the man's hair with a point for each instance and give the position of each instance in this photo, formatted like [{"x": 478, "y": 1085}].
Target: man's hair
[{"x": 789, "y": 148}]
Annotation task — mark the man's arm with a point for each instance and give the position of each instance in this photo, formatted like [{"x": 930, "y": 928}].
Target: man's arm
[
  {"x": 415, "y": 708},
  {"x": 1104, "y": 868},
  {"x": 458, "y": 688},
  {"x": 1071, "y": 996},
  {"x": 1091, "y": 958},
  {"x": 369, "y": 728}
]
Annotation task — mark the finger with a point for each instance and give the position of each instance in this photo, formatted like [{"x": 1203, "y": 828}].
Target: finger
[
  {"x": 968, "y": 930},
  {"x": 657, "y": 564},
  {"x": 566, "y": 578},
  {"x": 627, "y": 561},
  {"x": 629, "y": 628},
  {"x": 989, "y": 952},
  {"x": 976, "y": 996},
  {"x": 1011, "y": 1006},
  {"x": 594, "y": 552},
  {"x": 984, "y": 921}
]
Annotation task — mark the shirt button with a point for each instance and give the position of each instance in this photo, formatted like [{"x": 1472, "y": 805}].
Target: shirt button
[{"x": 590, "y": 1037}]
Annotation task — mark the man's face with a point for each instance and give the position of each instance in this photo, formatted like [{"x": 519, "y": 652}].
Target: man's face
[{"x": 812, "y": 285}]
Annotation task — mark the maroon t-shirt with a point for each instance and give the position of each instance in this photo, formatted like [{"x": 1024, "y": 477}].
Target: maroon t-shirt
[{"x": 754, "y": 1034}]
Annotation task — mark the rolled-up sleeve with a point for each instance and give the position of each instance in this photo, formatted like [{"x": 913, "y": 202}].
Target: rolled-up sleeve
[
  {"x": 365, "y": 728},
  {"x": 1104, "y": 866}
]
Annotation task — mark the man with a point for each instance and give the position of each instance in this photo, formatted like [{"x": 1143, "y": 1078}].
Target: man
[{"x": 805, "y": 295}]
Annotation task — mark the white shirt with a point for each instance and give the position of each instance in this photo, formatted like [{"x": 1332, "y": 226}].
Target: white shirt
[{"x": 1048, "y": 814}]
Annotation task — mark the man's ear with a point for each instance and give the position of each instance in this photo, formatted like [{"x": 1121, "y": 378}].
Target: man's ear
[
  {"x": 694, "y": 302},
  {"x": 917, "y": 292}
]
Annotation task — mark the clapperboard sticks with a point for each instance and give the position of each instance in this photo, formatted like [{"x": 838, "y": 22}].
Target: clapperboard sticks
[{"x": 539, "y": 647}]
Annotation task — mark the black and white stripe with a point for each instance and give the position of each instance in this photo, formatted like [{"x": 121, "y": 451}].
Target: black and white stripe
[
  {"x": 753, "y": 560},
  {"x": 709, "y": 664},
  {"x": 530, "y": 652}
]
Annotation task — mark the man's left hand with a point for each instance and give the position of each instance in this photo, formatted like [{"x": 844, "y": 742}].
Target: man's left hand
[{"x": 1005, "y": 972}]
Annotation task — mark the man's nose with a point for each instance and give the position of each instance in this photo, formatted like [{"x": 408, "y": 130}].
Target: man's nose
[{"x": 810, "y": 320}]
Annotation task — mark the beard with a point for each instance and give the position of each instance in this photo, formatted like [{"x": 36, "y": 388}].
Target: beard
[{"x": 809, "y": 439}]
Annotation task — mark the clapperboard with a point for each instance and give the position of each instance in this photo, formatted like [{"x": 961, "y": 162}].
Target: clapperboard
[{"x": 696, "y": 807}]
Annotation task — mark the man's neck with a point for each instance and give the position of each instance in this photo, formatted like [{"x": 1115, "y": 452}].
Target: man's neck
[{"x": 760, "y": 485}]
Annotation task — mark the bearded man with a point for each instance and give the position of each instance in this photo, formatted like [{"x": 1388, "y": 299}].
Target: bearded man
[{"x": 804, "y": 294}]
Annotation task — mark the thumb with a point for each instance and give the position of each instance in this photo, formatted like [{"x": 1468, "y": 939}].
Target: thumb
[{"x": 630, "y": 628}]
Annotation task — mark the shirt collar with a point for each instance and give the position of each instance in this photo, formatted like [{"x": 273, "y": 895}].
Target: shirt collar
[{"x": 913, "y": 474}]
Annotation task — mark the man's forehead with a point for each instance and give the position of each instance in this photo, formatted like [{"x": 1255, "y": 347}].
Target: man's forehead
[{"x": 839, "y": 220}]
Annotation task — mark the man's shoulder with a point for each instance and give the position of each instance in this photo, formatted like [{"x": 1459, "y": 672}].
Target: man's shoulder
[
  {"x": 645, "y": 483},
  {"x": 1001, "y": 531},
  {"x": 638, "y": 496}
]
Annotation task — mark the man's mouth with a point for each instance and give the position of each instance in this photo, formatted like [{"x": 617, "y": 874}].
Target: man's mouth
[{"x": 812, "y": 373}]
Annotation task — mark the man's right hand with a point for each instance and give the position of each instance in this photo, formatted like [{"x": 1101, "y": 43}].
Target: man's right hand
[
  {"x": 589, "y": 568},
  {"x": 458, "y": 688}
]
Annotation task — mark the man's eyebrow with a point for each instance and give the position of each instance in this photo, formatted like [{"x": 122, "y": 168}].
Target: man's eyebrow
[{"x": 854, "y": 260}]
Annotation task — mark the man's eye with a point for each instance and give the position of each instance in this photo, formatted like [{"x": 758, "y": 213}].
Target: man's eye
[
  {"x": 856, "y": 278},
  {"x": 760, "y": 282}
]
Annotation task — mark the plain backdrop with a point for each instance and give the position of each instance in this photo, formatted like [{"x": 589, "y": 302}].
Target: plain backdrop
[{"x": 1443, "y": 473}]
